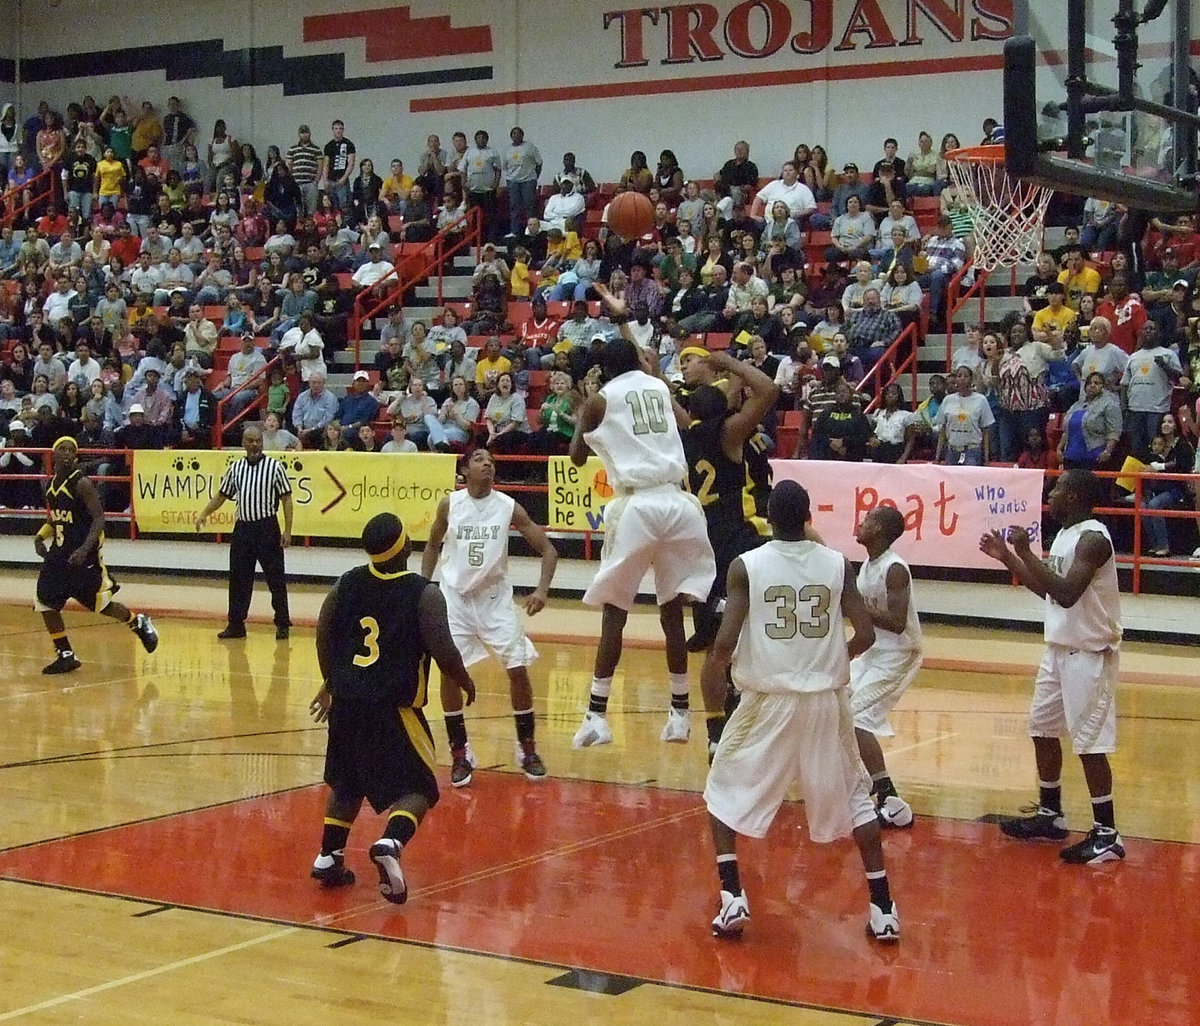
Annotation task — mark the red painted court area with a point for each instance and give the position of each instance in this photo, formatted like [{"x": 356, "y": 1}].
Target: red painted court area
[{"x": 621, "y": 880}]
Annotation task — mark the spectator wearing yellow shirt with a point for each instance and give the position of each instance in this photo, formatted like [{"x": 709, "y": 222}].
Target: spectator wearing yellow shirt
[
  {"x": 562, "y": 247},
  {"x": 397, "y": 185},
  {"x": 491, "y": 366},
  {"x": 1052, "y": 320},
  {"x": 519, "y": 283},
  {"x": 147, "y": 130},
  {"x": 1078, "y": 278}
]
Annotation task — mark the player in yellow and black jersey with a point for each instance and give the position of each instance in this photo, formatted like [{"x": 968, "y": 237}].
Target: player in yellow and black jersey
[
  {"x": 374, "y": 656},
  {"x": 715, "y": 443},
  {"x": 71, "y": 545}
]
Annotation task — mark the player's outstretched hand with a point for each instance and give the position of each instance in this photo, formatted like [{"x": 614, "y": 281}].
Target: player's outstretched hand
[
  {"x": 993, "y": 544},
  {"x": 1018, "y": 538},
  {"x": 319, "y": 706},
  {"x": 535, "y": 602},
  {"x": 77, "y": 558}
]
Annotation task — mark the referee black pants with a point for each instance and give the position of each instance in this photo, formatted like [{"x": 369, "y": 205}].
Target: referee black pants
[{"x": 256, "y": 542}]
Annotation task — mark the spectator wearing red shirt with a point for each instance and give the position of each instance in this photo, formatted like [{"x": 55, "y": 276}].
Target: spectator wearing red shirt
[
  {"x": 154, "y": 164},
  {"x": 126, "y": 245},
  {"x": 539, "y": 332},
  {"x": 1124, "y": 311}
]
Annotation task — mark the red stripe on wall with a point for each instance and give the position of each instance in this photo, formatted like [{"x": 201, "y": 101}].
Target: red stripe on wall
[
  {"x": 654, "y": 87},
  {"x": 391, "y": 34}
]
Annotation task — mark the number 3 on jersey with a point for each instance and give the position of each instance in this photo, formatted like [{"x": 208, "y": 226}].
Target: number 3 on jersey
[
  {"x": 370, "y": 642},
  {"x": 649, "y": 411},
  {"x": 787, "y": 623}
]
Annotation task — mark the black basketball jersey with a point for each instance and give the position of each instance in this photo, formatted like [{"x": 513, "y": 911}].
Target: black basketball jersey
[
  {"x": 69, "y": 517},
  {"x": 378, "y": 653},
  {"x": 759, "y": 478},
  {"x": 715, "y": 479}
]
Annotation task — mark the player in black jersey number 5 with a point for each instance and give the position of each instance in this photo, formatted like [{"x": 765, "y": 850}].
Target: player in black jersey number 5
[
  {"x": 71, "y": 545},
  {"x": 374, "y": 657}
]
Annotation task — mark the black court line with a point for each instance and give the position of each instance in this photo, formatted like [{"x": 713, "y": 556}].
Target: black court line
[
  {"x": 345, "y": 942},
  {"x": 873, "y": 1017},
  {"x": 153, "y": 911}
]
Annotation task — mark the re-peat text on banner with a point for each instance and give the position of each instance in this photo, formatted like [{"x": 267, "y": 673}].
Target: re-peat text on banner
[
  {"x": 946, "y": 509},
  {"x": 578, "y": 495},
  {"x": 334, "y": 494}
]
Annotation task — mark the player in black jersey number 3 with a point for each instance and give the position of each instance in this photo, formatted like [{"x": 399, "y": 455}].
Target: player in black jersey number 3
[
  {"x": 71, "y": 545},
  {"x": 374, "y": 657}
]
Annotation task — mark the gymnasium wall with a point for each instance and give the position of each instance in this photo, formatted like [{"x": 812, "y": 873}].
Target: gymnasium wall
[{"x": 587, "y": 75}]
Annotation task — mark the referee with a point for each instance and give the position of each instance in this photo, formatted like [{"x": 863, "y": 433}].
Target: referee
[{"x": 258, "y": 484}]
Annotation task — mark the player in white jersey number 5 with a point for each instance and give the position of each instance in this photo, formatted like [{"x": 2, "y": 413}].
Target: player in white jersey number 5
[
  {"x": 1074, "y": 694},
  {"x": 470, "y": 532},
  {"x": 784, "y": 631},
  {"x": 650, "y": 522}
]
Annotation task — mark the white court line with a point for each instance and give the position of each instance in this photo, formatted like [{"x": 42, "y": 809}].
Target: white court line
[
  {"x": 144, "y": 975},
  {"x": 920, "y": 744}
]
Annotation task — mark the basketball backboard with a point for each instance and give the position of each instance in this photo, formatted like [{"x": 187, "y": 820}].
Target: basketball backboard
[{"x": 1090, "y": 102}]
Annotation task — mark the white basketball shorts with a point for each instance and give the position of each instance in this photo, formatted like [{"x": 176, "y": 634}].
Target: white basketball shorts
[
  {"x": 1074, "y": 695},
  {"x": 659, "y": 527},
  {"x": 773, "y": 740},
  {"x": 878, "y": 678},
  {"x": 488, "y": 619}
]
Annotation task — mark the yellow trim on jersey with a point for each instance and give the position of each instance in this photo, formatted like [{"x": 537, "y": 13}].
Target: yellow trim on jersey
[
  {"x": 421, "y": 741},
  {"x": 105, "y": 595},
  {"x": 422, "y": 686},
  {"x": 62, "y": 489},
  {"x": 383, "y": 557},
  {"x": 385, "y": 576},
  {"x": 46, "y": 532},
  {"x": 330, "y": 821}
]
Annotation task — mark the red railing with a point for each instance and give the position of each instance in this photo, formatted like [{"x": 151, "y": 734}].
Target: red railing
[
  {"x": 257, "y": 379},
  {"x": 956, "y": 299},
  {"x": 121, "y": 456},
  {"x": 455, "y": 238},
  {"x": 42, "y": 187},
  {"x": 896, "y": 368}
]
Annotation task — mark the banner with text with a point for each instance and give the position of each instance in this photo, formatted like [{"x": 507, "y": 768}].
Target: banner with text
[
  {"x": 946, "y": 509},
  {"x": 578, "y": 495},
  {"x": 334, "y": 494}
]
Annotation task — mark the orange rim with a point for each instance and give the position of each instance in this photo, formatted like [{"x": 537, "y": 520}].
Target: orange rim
[{"x": 990, "y": 154}]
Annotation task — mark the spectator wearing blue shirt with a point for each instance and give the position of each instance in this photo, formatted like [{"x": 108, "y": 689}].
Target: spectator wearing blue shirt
[
  {"x": 314, "y": 408},
  {"x": 358, "y": 407}
]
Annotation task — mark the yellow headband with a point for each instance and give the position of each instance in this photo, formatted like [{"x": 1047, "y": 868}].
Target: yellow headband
[
  {"x": 393, "y": 552},
  {"x": 65, "y": 440},
  {"x": 693, "y": 351}
]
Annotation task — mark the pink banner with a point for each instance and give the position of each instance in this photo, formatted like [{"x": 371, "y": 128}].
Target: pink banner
[{"x": 947, "y": 509}]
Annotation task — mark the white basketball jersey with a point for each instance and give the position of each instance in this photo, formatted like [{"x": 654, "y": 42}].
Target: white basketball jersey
[
  {"x": 475, "y": 550},
  {"x": 793, "y": 638},
  {"x": 872, "y": 585},
  {"x": 638, "y": 440},
  {"x": 1094, "y": 622}
]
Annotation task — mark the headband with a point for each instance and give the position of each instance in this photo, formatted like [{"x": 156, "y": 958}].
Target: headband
[{"x": 391, "y": 553}]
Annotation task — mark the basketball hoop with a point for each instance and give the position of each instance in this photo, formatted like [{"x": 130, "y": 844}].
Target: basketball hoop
[{"x": 1008, "y": 215}]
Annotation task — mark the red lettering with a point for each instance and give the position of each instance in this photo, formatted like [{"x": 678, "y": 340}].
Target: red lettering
[
  {"x": 948, "y": 19},
  {"x": 868, "y": 18},
  {"x": 995, "y": 20},
  {"x": 865, "y": 500},
  {"x": 820, "y": 33},
  {"x": 737, "y": 28},
  {"x": 942, "y": 502},
  {"x": 690, "y": 33},
  {"x": 633, "y": 39}
]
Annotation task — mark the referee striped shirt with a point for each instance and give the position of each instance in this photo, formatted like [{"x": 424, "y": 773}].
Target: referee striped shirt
[{"x": 256, "y": 487}]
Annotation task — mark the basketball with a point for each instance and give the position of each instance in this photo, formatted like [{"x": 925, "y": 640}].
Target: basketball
[
  {"x": 601, "y": 486},
  {"x": 630, "y": 215}
]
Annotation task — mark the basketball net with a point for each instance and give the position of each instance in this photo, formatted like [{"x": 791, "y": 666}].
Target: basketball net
[{"x": 1007, "y": 214}]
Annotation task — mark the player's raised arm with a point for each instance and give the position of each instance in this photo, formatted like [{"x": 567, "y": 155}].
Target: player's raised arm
[
  {"x": 1093, "y": 551},
  {"x": 435, "y": 632},
  {"x": 536, "y": 538},
  {"x": 855, "y": 610},
  {"x": 590, "y": 415},
  {"x": 437, "y": 535},
  {"x": 739, "y": 427}
]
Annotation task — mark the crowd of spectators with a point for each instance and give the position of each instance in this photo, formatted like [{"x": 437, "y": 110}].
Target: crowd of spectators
[{"x": 141, "y": 228}]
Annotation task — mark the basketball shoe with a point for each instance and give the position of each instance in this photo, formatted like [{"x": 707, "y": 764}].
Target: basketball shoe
[
  {"x": 883, "y": 926},
  {"x": 331, "y": 870},
  {"x": 678, "y": 727},
  {"x": 530, "y": 762},
  {"x": 593, "y": 731},
  {"x": 143, "y": 627},
  {"x": 733, "y": 917},
  {"x": 1102, "y": 844},
  {"x": 385, "y": 853},
  {"x": 1041, "y": 825},
  {"x": 894, "y": 812},
  {"x": 462, "y": 762},
  {"x": 65, "y": 662}
]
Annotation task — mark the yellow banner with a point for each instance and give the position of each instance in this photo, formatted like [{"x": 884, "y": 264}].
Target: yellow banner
[
  {"x": 334, "y": 494},
  {"x": 578, "y": 495}
]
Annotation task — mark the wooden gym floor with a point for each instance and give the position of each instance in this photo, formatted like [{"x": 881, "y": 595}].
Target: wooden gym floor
[{"x": 159, "y": 814}]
